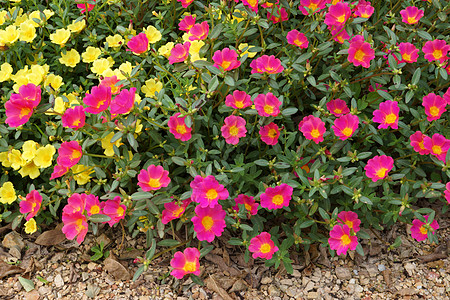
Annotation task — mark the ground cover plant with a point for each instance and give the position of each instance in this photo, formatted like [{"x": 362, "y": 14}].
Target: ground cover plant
[{"x": 270, "y": 125}]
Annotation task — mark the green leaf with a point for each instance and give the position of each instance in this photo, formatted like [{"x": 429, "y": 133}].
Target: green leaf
[
  {"x": 197, "y": 280},
  {"x": 213, "y": 84},
  {"x": 307, "y": 223},
  {"x": 178, "y": 161},
  {"x": 359, "y": 249},
  {"x": 425, "y": 35},
  {"x": 246, "y": 227},
  {"x": 138, "y": 273},
  {"x": 149, "y": 254},
  {"x": 229, "y": 81},
  {"x": 416, "y": 77},
  {"x": 27, "y": 284},
  {"x": 99, "y": 218},
  {"x": 289, "y": 111},
  {"x": 168, "y": 243},
  {"x": 263, "y": 162},
  {"x": 216, "y": 31},
  {"x": 385, "y": 95}
]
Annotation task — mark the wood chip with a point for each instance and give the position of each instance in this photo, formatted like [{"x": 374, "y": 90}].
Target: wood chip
[{"x": 212, "y": 285}]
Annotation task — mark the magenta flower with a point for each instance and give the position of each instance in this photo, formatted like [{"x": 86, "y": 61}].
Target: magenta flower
[
  {"x": 18, "y": 112},
  {"x": 387, "y": 115},
  {"x": 83, "y": 6},
  {"x": 378, "y": 167},
  {"x": 276, "y": 197},
  {"x": 338, "y": 107},
  {"x": 253, "y": 4},
  {"x": 227, "y": 59},
  {"x": 187, "y": 23},
  {"x": 341, "y": 240},
  {"x": 123, "y": 103},
  {"x": 75, "y": 203},
  {"x": 58, "y": 171},
  {"x": 138, "y": 44},
  {"x": 69, "y": 154},
  {"x": 173, "y": 210},
  {"x": 31, "y": 204},
  {"x": 294, "y": 37},
  {"x": 185, "y": 3},
  {"x": 209, "y": 222},
  {"x": 233, "y": 129},
  {"x": 312, "y": 5},
  {"x": 350, "y": 219},
  {"x": 281, "y": 15},
  {"x": 154, "y": 178},
  {"x": 339, "y": 34},
  {"x": 75, "y": 225},
  {"x": 436, "y": 50},
  {"x": 186, "y": 262},
  {"x": 438, "y": 146},
  {"x": 411, "y": 15},
  {"x": 419, "y": 229},
  {"x": 179, "y": 53},
  {"x": 208, "y": 191},
  {"x": 177, "y": 126},
  {"x": 312, "y": 128},
  {"x": 249, "y": 203},
  {"x": 199, "y": 31},
  {"x": 417, "y": 142},
  {"x": 269, "y": 134},
  {"x": 434, "y": 106},
  {"x": 93, "y": 205},
  {"x": 74, "y": 117},
  {"x": 113, "y": 209},
  {"x": 28, "y": 92},
  {"x": 446, "y": 96},
  {"x": 98, "y": 100},
  {"x": 266, "y": 64},
  {"x": 238, "y": 100},
  {"x": 409, "y": 52},
  {"x": 267, "y": 105},
  {"x": 262, "y": 246},
  {"x": 364, "y": 9},
  {"x": 345, "y": 126},
  {"x": 360, "y": 52},
  {"x": 338, "y": 14},
  {"x": 447, "y": 192}
]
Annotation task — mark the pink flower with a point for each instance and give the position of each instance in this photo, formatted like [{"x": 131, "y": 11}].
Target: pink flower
[
  {"x": 338, "y": 14},
  {"x": 75, "y": 203},
  {"x": 31, "y": 204},
  {"x": 360, "y": 52},
  {"x": 154, "y": 178},
  {"x": 411, "y": 15},
  {"x": 179, "y": 53},
  {"x": 350, "y": 219},
  {"x": 345, "y": 126},
  {"x": 434, "y": 106},
  {"x": 238, "y": 100},
  {"x": 199, "y": 31},
  {"x": 227, "y": 59},
  {"x": 276, "y": 197},
  {"x": 339, "y": 34},
  {"x": 266, "y": 64},
  {"x": 75, "y": 225},
  {"x": 341, "y": 240},
  {"x": 409, "y": 52},
  {"x": 312, "y": 128},
  {"x": 446, "y": 96},
  {"x": 173, "y": 210},
  {"x": 378, "y": 167},
  {"x": 209, "y": 222},
  {"x": 281, "y": 15},
  {"x": 436, "y": 50},
  {"x": 364, "y": 10},
  {"x": 267, "y": 105},
  {"x": 294, "y": 37},
  {"x": 419, "y": 229},
  {"x": 185, "y": 3},
  {"x": 338, "y": 107},
  {"x": 267, "y": 4},
  {"x": 123, "y": 103},
  {"x": 249, "y": 203},
  {"x": 207, "y": 191},
  {"x": 387, "y": 115},
  {"x": 233, "y": 129},
  {"x": 84, "y": 6},
  {"x": 269, "y": 134},
  {"x": 417, "y": 142},
  {"x": 28, "y": 92},
  {"x": 186, "y": 262},
  {"x": 111, "y": 82},
  {"x": 138, "y": 44},
  {"x": 69, "y": 154},
  {"x": 262, "y": 246},
  {"x": 187, "y": 23},
  {"x": 98, "y": 100},
  {"x": 438, "y": 146},
  {"x": 74, "y": 117},
  {"x": 177, "y": 126},
  {"x": 312, "y": 5},
  {"x": 447, "y": 192},
  {"x": 93, "y": 205},
  {"x": 114, "y": 210},
  {"x": 58, "y": 171},
  {"x": 18, "y": 112},
  {"x": 253, "y": 4}
]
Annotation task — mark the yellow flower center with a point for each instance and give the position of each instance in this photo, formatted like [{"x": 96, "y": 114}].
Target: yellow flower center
[
  {"x": 338, "y": 111},
  {"x": 346, "y": 240},
  {"x": 347, "y": 131},
  {"x": 434, "y": 111},
  {"x": 76, "y": 122},
  {"x": 406, "y": 56},
  {"x": 412, "y": 20},
  {"x": 211, "y": 194},
  {"x": 268, "y": 109},
  {"x": 265, "y": 248},
  {"x": 381, "y": 172},
  {"x": 272, "y": 133},
  {"x": 437, "y": 54},
  {"x": 313, "y": 6},
  {"x": 390, "y": 118},
  {"x": 76, "y": 154},
  {"x": 421, "y": 145},
  {"x": 315, "y": 133},
  {"x": 79, "y": 225},
  {"x": 190, "y": 266},
  {"x": 437, "y": 149},
  {"x": 341, "y": 19},
  {"x": 359, "y": 55},
  {"x": 248, "y": 206},
  {"x": 252, "y": 3},
  {"x": 95, "y": 209},
  {"x": 226, "y": 64},
  {"x": 349, "y": 224},
  {"x": 423, "y": 230},
  {"x": 234, "y": 130},
  {"x": 181, "y": 129},
  {"x": 120, "y": 211},
  {"x": 177, "y": 213},
  {"x": 239, "y": 104},
  {"x": 365, "y": 15},
  {"x": 207, "y": 222},
  {"x": 24, "y": 111},
  {"x": 154, "y": 183},
  {"x": 298, "y": 43},
  {"x": 277, "y": 200}
]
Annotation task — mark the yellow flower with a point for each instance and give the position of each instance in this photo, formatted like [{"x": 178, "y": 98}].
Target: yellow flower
[
  {"x": 4, "y": 159},
  {"x": 30, "y": 226},
  {"x": 60, "y": 37},
  {"x": 165, "y": 49},
  {"x": 238, "y": 19},
  {"x": 114, "y": 41},
  {"x": 100, "y": 65},
  {"x": 3, "y": 16},
  {"x": 36, "y": 74},
  {"x": 152, "y": 34},
  {"x": 30, "y": 169},
  {"x": 35, "y": 15},
  {"x": 29, "y": 149},
  {"x": 194, "y": 50},
  {"x": 27, "y": 31},
  {"x": 44, "y": 156},
  {"x": 137, "y": 99},
  {"x": 5, "y": 72},
  {"x": 186, "y": 36},
  {"x": 242, "y": 46},
  {"x": 111, "y": 61},
  {"x": 70, "y": 59},
  {"x": 15, "y": 157},
  {"x": 61, "y": 106},
  {"x": 7, "y": 193},
  {"x": 91, "y": 54},
  {"x": 55, "y": 81},
  {"x": 151, "y": 87},
  {"x": 126, "y": 67},
  {"x": 76, "y": 27},
  {"x": 10, "y": 35},
  {"x": 108, "y": 146},
  {"x": 48, "y": 13},
  {"x": 20, "y": 19},
  {"x": 81, "y": 174},
  {"x": 139, "y": 126}
]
